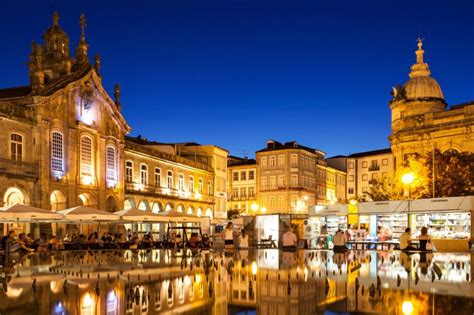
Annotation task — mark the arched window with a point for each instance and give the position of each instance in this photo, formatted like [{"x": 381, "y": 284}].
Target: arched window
[
  {"x": 129, "y": 171},
  {"x": 170, "y": 179},
  {"x": 144, "y": 174},
  {"x": 191, "y": 184},
  {"x": 157, "y": 177},
  {"x": 57, "y": 151},
  {"x": 181, "y": 182},
  {"x": 200, "y": 186},
  {"x": 16, "y": 147},
  {"x": 209, "y": 188},
  {"x": 111, "y": 165},
  {"x": 86, "y": 156}
]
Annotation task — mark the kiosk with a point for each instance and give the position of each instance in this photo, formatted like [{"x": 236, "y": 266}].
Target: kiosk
[{"x": 322, "y": 224}]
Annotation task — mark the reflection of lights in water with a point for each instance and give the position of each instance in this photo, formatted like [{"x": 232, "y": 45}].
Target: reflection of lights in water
[
  {"x": 87, "y": 303},
  {"x": 111, "y": 302},
  {"x": 407, "y": 307},
  {"x": 83, "y": 286},
  {"x": 198, "y": 278},
  {"x": 13, "y": 293},
  {"x": 305, "y": 271},
  {"x": 59, "y": 308},
  {"x": 187, "y": 280},
  {"x": 254, "y": 268},
  {"x": 55, "y": 286}
]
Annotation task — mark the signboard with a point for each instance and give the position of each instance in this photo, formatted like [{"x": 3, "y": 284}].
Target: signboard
[{"x": 330, "y": 210}]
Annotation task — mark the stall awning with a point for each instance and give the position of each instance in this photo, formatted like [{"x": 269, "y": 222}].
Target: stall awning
[
  {"x": 27, "y": 213},
  {"x": 390, "y": 206},
  {"x": 137, "y": 215},
  {"x": 328, "y": 210},
  {"x": 465, "y": 203},
  {"x": 86, "y": 214},
  {"x": 179, "y": 217}
]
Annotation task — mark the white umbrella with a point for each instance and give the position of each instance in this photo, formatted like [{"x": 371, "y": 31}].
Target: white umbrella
[
  {"x": 137, "y": 215},
  {"x": 28, "y": 213},
  {"x": 174, "y": 216},
  {"x": 86, "y": 214}
]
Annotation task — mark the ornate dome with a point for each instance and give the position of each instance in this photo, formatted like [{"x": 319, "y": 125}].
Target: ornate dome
[{"x": 421, "y": 85}]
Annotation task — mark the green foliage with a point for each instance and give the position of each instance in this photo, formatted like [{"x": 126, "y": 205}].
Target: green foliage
[
  {"x": 233, "y": 213},
  {"x": 453, "y": 172},
  {"x": 384, "y": 189}
]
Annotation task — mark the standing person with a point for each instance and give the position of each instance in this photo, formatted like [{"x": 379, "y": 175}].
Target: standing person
[
  {"x": 229, "y": 236},
  {"x": 339, "y": 241},
  {"x": 349, "y": 233},
  {"x": 289, "y": 239},
  {"x": 425, "y": 240},
  {"x": 405, "y": 240},
  {"x": 243, "y": 240}
]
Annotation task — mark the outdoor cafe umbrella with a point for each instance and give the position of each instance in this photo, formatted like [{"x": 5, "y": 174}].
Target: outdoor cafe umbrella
[
  {"x": 174, "y": 216},
  {"x": 26, "y": 213},
  {"x": 86, "y": 214},
  {"x": 137, "y": 215}
]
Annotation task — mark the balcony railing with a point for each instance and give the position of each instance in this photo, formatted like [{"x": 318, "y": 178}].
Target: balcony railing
[
  {"x": 374, "y": 168},
  {"x": 132, "y": 187},
  {"x": 18, "y": 168}
]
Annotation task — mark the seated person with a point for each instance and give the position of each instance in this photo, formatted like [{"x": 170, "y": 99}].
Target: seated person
[
  {"x": 193, "y": 241},
  {"x": 134, "y": 241},
  {"x": 405, "y": 240},
  {"x": 14, "y": 245},
  {"x": 147, "y": 241},
  {"x": 206, "y": 242},
  {"x": 425, "y": 240},
  {"x": 43, "y": 244},
  {"x": 289, "y": 239},
  {"x": 53, "y": 243},
  {"x": 173, "y": 242},
  {"x": 339, "y": 241}
]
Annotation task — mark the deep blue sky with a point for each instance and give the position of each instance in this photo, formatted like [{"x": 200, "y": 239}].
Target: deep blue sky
[{"x": 237, "y": 73}]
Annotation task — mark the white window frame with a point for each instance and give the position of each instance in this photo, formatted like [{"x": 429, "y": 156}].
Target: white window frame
[
  {"x": 129, "y": 171},
  {"x": 57, "y": 151},
  {"x": 191, "y": 184},
  {"x": 144, "y": 174},
  {"x": 169, "y": 179},
  {"x": 87, "y": 169},
  {"x": 157, "y": 177},
  {"x": 111, "y": 163},
  {"x": 16, "y": 146},
  {"x": 181, "y": 181}
]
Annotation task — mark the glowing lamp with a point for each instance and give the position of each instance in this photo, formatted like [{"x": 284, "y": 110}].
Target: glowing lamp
[
  {"x": 87, "y": 180},
  {"x": 407, "y": 307},
  {"x": 263, "y": 209},
  {"x": 254, "y": 207},
  {"x": 408, "y": 178},
  {"x": 254, "y": 268}
]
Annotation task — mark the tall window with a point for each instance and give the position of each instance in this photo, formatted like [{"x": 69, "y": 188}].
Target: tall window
[
  {"x": 264, "y": 162},
  {"x": 16, "y": 147},
  {"x": 281, "y": 180},
  {"x": 272, "y": 161},
  {"x": 264, "y": 182},
  {"x": 144, "y": 174},
  {"x": 235, "y": 176},
  {"x": 294, "y": 180},
  {"x": 272, "y": 182},
  {"x": 243, "y": 175},
  {"x": 86, "y": 156},
  {"x": 200, "y": 186},
  {"x": 243, "y": 192},
  {"x": 157, "y": 177},
  {"x": 251, "y": 192},
  {"x": 209, "y": 188},
  {"x": 111, "y": 164},
  {"x": 129, "y": 171},
  {"x": 170, "y": 179},
  {"x": 235, "y": 194},
  {"x": 191, "y": 184},
  {"x": 281, "y": 160},
  {"x": 294, "y": 160},
  {"x": 251, "y": 175},
  {"x": 57, "y": 151},
  {"x": 181, "y": 182}
]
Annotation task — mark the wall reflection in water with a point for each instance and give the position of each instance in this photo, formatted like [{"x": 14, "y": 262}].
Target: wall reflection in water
[{"x": 266, "y": 281}]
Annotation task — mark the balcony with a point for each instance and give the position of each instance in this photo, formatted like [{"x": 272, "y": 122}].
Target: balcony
[
  {"x": 374, "y": 168},
  {"x": 152, "y": 190},
  {"x": 18, "y": 169}
]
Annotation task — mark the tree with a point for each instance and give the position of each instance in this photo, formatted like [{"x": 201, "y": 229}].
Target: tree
[
  {"x": 233, "y": 213},
  {"x": 385, "y": 188},
  {"x": 454, "y": 173}
]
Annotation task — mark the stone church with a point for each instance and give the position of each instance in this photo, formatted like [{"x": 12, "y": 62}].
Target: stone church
[{"x": 421, "y": 119}]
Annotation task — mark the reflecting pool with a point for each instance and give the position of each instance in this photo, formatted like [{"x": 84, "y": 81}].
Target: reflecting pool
[{"x": 238, "y": 282}]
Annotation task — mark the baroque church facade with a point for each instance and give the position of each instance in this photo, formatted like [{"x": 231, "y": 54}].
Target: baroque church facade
[
  {"x": 64, "y": 142},
  {"x": 421, "y": 119}
]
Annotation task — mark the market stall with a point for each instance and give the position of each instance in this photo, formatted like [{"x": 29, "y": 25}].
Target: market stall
[
  {"x": 449, "y": 221},
  {"x": 323, "y": 222}
]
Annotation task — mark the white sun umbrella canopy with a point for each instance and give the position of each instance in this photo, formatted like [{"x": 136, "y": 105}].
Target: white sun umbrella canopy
[
  {"x": 137, "y": 215},
  {"x": 86, "y": 214},
  {"x": 179, "y": 217},
  {"x": 28, "y": 213}
]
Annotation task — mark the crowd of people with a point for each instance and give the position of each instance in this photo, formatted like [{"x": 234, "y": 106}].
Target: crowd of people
[{"x": 24, "y": 243}]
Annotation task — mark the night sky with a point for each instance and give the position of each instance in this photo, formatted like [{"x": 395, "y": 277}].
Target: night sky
[{"x": 237, "y": 73}]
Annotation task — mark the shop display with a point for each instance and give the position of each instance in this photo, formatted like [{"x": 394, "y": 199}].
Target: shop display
[
  {"x": 391, "y": 226},
  {"x": 329, "y": 225},
  {"x": 449, "y": 225}
]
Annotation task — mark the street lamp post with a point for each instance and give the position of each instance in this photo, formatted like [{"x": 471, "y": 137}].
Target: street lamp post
[{"x": 407, "y": 180}]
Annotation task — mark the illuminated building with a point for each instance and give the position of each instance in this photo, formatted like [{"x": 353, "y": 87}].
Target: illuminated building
[
  {"x": 242, "y": 184},
  {"x": 64, "y": 143},
  {"x": 421, "y": 121},
  {"x": 361, "y": 168}
]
